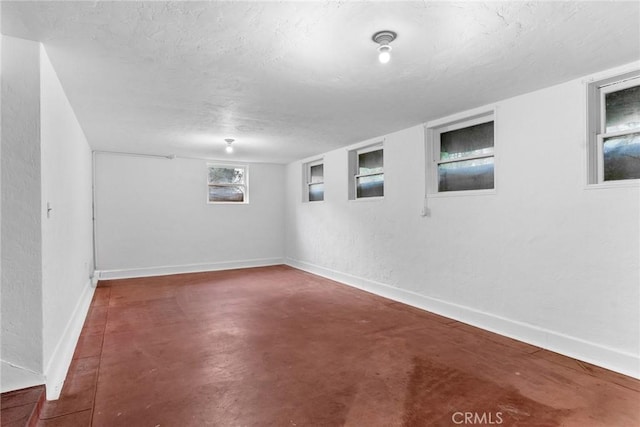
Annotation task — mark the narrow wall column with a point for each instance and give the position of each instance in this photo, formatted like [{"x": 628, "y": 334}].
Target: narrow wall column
[{"x": 21, "y": 235}]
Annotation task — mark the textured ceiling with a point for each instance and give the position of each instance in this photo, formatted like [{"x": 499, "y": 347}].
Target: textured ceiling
[{"x": 289, "y": 80}]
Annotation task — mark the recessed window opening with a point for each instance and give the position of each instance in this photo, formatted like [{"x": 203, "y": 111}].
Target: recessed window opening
[
  {"x": 368, "y": 172},
  {"x": 314, "y": 181},
  {"x": 227, "y": 184},
  {"x": 462, "y": 155},
  {"x": 614, "y": 129}
]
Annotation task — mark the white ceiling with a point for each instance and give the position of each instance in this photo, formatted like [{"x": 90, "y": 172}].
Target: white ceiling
[{"x": 289, "y": 80}]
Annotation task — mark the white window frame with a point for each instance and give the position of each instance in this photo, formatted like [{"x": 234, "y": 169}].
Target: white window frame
[
  {"x": 245, "y": 184},
  {"x": 354, "y": 167},
  {"x": 435, "y": 129},
  {"x": 307, "y": 179},
  {"x": 596, "y": 125}
]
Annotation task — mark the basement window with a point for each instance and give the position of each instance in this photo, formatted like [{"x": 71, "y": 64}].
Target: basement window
[
  {"x": 367, "y": 172},
  {"x": 461, "y": 155},
  {"x": 227, "y": 184},
  {"x": 614, "y": 129},
  {"x": 314, "y": 181}
]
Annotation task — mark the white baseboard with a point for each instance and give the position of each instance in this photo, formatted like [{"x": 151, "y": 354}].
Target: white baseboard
[
  {"x": 187, "y": 268},
  {"x": 606, "y": 357},
  {"x": 13, "y": 377},
  {"x": 56, "y": 370}
]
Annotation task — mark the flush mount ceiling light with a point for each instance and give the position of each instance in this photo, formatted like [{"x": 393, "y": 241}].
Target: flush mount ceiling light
[
  {"x": 383, "y": 38},
  {"x": 229, "y": 148}
]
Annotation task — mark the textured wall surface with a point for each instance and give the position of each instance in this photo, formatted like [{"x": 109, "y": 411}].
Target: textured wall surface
[
  {"x": 544, "y": 251},
  {"x": 67, "y": 234},
  {"x": 21, "y": 236},
  {"x": 153, "y": 213}
]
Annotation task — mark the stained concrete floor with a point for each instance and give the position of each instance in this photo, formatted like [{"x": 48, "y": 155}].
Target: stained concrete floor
[
  {"x": 277, "y": 346},
  {"x": 19, "y": 407}
]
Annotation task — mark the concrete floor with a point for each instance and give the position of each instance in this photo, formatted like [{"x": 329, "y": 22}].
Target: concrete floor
[
  {"x": 20, "y": 408},
  {"x": 277, "y": 346}
]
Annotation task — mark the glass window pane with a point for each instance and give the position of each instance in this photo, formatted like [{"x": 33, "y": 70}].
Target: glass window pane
[
  {"x": 226, "y": 175},
  {"x": 370, "y": 162},
  {"x": 317, "y": 173},
  {"x": 476, "y": 174},
  {"x": 370, "y": 186},
  {"x": 470, "y": 141},
  {"x": 623, "y": 109},
  {"x": 226, "y": 193},
  {"x": 316, "y": 192},
  {"x": 622, "y": 157}
]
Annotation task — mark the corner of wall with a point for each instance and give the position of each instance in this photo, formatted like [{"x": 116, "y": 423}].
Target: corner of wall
[
  {"x": 21, "y": 215},
  {"x": 58, "y": 365},
  {"x": 13, "y": 377},
  {"x": 68, "y": 279}
]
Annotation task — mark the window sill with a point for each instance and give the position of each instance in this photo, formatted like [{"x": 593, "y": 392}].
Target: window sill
[
  {"x": 629, "y": 183},
  {"x": 464, "y": 193},
  {"x": 367, "y": 199},
  {"x": 228, "y": 203}
]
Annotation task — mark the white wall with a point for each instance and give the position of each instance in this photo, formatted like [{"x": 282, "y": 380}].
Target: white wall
[
  {"x": 2, "y": 364},
  {"x": 152, "y": 218},
  {"x": 544, "y": 259},
  {"x": 67, "y": 234},
  {"x": 46, "y": 260},
  {"x": 21, "y": 236}
]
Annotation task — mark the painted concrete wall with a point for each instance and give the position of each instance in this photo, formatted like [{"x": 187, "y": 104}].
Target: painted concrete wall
[
  {"x": 67, "y": 234},
  {"x": 545, "y": 259},
  {"x": 2, "y": 364},
  {"x": 47, "y": 259},
  {"x": 152, "y": 217},
  {"x": 21, "y": 234}
]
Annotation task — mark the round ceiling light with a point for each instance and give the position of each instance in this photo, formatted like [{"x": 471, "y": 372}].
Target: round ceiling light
[
  {"x": 229, "y": 148},
  {"x": 383, "y": 38}
]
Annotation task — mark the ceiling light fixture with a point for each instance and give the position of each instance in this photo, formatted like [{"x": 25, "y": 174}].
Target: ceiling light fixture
[
  {"x": 383, "y": 38},
  {"x": 229, "y": 148}
]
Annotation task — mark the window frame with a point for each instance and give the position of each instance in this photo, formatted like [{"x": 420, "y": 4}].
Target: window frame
[
  {"x": 307, "y": 180},
  {"x": 354, "y": 161},
  {"x": 433, "y": 149},
  {"x": 245, "y": 184},
  {"x": 597, "y": 91}
]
